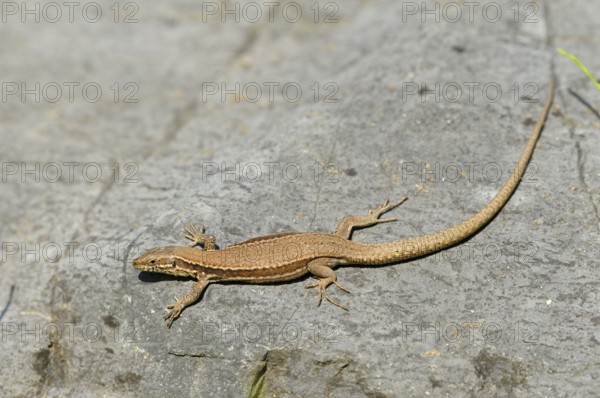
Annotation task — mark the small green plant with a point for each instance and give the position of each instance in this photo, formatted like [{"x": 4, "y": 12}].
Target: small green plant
[{"x": 581, "y": 65}]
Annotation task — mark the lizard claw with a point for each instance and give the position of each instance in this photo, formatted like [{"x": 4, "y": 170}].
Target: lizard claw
[
  {"x": 173, "y": 305},
  {"x": 173, "y": 313},
  {"x": 322, "y": 284},
  {"x": 384, "y": 208},
  {"x": 193, "y": 234},
  {"x": 198, "y": 238}
]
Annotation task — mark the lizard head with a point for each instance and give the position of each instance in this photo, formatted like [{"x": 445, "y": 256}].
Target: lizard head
[{"x": 161, "y": 260}]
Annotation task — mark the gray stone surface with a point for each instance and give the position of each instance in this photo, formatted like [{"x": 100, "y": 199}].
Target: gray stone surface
[{"x": 513, "y": 312}]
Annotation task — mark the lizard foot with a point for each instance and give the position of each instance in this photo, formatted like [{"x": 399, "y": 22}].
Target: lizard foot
[
  {"x": 187, "y": 300},
  {"x": 198, "y": 237},
  {"x": 384, "y": 208},
  {"x": 322, "y": 284},
  {"x": 175, "y": 311}
]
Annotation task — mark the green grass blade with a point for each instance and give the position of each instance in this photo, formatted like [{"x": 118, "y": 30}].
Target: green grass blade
[{"x": 581, "y": 65}]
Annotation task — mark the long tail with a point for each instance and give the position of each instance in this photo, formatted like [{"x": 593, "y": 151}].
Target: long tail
[{"x": 426, "y": 244}]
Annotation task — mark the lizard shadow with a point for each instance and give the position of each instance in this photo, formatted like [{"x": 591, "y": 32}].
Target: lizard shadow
[{"x": 154, "y": 277}]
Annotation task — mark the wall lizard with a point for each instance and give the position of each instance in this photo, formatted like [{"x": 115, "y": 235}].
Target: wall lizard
[{"x": 288, "y": 256}]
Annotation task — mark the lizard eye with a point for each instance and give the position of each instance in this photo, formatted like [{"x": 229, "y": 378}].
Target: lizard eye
[
  {"x": 173, "y": 265},
  {"x": 153, "y": 261}
]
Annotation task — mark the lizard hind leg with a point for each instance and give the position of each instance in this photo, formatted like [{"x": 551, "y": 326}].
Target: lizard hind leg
[
  {"x": 348, "y": 223},
  {"x": 322, "y": 269}
]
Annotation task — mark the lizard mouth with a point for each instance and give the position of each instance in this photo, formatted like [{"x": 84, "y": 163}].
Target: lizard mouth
[
  {"x": 155, "y": 259},
  {"x": 142, "y": 265}
]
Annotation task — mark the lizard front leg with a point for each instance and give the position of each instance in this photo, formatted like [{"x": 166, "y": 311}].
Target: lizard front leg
[
  {"x": 198, "y": 237},
  {"x": 322, "y": 269},
  {"x": 348, "y": 223},
  {"x": 187, "y": 300}
]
